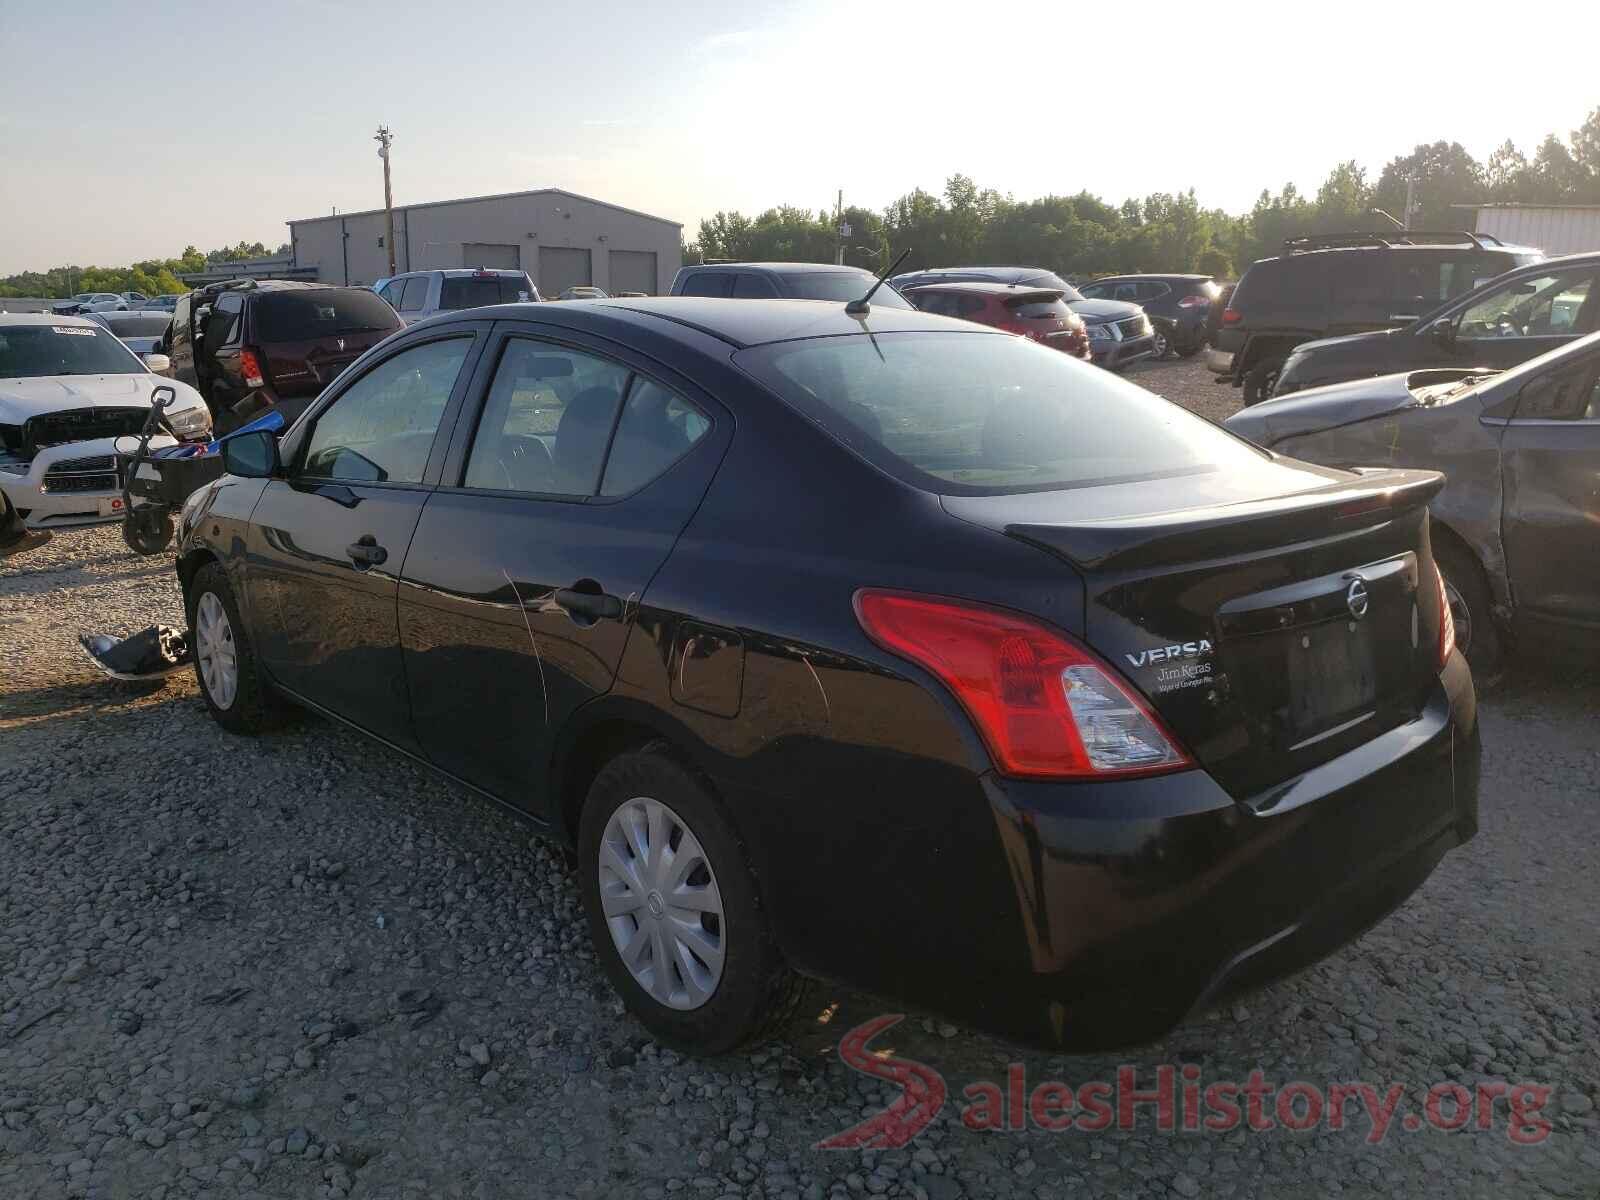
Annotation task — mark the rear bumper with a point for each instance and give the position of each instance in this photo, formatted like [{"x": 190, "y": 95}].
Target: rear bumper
[
  {"x": 1116, "y": 355},
  {"x": 1134, "y": 922},
  {"x": 1091, "y": 916}
]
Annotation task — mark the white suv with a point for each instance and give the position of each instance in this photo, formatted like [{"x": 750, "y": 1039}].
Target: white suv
[{"x": 419, "y": 294}]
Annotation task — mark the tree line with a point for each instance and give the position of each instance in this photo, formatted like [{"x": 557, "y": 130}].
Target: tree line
[
  {"x": 1082, "y": 235},
  {"x": 152, "y": 277}
]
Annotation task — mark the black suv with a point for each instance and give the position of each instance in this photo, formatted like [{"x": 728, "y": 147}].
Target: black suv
[
  {"x": 1177, "y": 306},
  {"x": 1508, "y": 320},
  {"x": 782, "y": 281},
  {"x": 1328, "y": 285},
  {"x": 245, "y": 343}
]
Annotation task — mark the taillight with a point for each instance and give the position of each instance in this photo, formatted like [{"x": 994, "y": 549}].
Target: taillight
[
  {"x": 250, "y": 367},
  {"x": 1045, "y": 706},
  {"x": 1231, "y": 316},
  {"x": 1447, "y": 621},
  {"x": 1195, "y": 302}
]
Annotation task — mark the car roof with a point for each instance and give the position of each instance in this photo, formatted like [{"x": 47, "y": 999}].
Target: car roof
[
  {"x": 780, "y": 268},
  {"x": 988, "y": 287},
  {"x": 1017, "y": 272},
  {"x": 1149, "y": 275},
  {"x": 46, "y": 319},
  {"x": 744, "y": 323}
]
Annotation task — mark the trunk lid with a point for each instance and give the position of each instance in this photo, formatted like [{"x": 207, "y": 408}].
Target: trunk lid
[
  {"x": 305, "y": 368},
  {"x": 1283, "y": 619}
]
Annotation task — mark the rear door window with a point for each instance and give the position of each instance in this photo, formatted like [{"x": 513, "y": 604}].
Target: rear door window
[
  {"x": 709, "y": 283},
  {"x": 313, "y": 313},
  {"x": 415, "y": 296},
  {"x": 658, "y": 428},
  {"x": 753, "y": 287}
]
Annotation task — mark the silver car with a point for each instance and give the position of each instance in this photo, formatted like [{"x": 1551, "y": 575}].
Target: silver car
[
  {"x": 1516, "y": 530},
  {"x": 419, "y": 294}
]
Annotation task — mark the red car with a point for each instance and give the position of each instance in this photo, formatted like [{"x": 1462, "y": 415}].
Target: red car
[{"x": 1033, "y": 312}]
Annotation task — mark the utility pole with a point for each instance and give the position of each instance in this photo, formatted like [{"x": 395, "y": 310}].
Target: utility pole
[
  {"x": 383, "y": 137},
  {"x": 839, "y": 230},
  {"x": 1411, "y": 191}
]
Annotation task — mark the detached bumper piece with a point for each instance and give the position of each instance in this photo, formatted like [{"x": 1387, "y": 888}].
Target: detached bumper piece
[{"x": 153, "y": 653}]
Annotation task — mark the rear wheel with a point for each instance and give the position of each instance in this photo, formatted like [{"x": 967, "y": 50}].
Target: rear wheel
[
  {"x": 1467, "y": 591},
  {"x": 1260, "y": 379},
  {"x": 1163, "y": 343},
  {"x": 672, "y": 907},
  {"x": 225, "y": 662}
]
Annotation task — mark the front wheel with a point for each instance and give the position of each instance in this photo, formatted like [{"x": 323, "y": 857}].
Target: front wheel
[
  {"x": 225, "y": 662},
  {"x": 673, "y": 911},
  {"x": 1260, "y": 379},
  {"x": 1163, "y": 344}
]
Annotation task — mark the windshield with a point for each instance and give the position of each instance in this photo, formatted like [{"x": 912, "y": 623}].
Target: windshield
[
  {"x": 983, "y": 414},
  {"x": 839, "y": 285},
  {"x": 33, "y": 351},
  {"x": 305, "y": 316},
  {"x": 474, "y": 291},
  {"x": 134, "y": 324}
]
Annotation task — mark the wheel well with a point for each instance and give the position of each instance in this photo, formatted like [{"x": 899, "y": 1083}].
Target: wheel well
[
  {"x": 1261, "y": 348},
  {"x": 189, "y": 566},
  {"x": 1438, "y": 531},
  {"x": 595, "y": 747}
]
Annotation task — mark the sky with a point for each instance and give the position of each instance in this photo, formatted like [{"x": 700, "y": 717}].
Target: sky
[{"x": 129, "y": 131}]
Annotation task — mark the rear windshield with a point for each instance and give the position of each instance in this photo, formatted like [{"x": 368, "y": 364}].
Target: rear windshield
[
  {"x": 1038, "y": 308},
  {"x": 31, "y": 351},
  {"x": 474, "y": 291},
  {"x": 318, "y": 312},
  {"x": 974, "y": 414},
  {"x": 837, "y": 285}
]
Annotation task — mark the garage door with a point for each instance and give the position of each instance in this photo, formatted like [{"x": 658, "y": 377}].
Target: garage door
[
  {"x": 633, "y": 271},
  {"x": 493, "y": 255},
  {"x": 561, "y": 267}
]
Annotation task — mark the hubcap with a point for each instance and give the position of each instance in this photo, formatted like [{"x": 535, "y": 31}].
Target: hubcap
[
  {"x": 1161, "y": 345},
  {"x": 215, "y": 651},
  {"x": 661, "y": 903},
  {"x": 1460, "y": 614}
]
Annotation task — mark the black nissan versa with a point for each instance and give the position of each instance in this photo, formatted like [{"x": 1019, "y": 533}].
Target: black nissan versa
[{"x": 879, "y": 647}]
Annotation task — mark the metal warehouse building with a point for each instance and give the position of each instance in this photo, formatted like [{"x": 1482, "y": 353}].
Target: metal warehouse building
[
  {"x": 560, "y": 238},
  {"x": 1553, "y": 228}
]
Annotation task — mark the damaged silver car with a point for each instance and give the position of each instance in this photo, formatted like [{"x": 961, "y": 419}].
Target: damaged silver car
[{"x": 1517, "y": 527}]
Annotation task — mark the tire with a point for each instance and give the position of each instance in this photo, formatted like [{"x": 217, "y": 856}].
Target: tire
[
  {"x": 250, "y": 706},
  {"x": 1471, "y": 605},
  {"x": 147, "y": 531},
  {"x": 15, "y": 536},
  {"x": 1164, "y": 342},
  {"x": 1193, "y": 347},
  {"x": 1260, "y": 379},
  {"x": 645, "y": 798}
]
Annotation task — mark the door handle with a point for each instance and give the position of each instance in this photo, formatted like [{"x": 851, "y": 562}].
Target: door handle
[
  {"x": 366, "y": 552},
  {"x": 594, "y": 606}
]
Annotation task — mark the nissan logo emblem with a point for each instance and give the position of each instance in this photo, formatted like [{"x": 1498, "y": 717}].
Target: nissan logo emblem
[{"x": 1355, "y": 597}]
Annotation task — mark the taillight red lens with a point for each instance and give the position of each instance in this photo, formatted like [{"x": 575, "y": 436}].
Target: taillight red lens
[
  {"x": 250, "y": 367},
  {"x": 1195, "y": 302},
  {"x": 1447, "y": 621},
  {"x": 1045, "y": 706},
  {"x": 1231, "y": 316}
]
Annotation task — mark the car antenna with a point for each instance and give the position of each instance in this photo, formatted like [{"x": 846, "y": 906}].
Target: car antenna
[{"x": 856, "y": 307}]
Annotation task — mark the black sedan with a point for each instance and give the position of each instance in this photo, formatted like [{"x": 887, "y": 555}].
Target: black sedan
[{"x": 877, "y": 647}]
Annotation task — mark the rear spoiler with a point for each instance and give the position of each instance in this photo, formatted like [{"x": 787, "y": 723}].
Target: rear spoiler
[{"x": 1195, "y": 534}]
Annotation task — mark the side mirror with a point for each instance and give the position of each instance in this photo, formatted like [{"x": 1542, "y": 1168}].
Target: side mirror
[
  {"x": 1443, "y": 333},
  {"x": 251, "y": 455},
  {"x": 158, "y": 363}
]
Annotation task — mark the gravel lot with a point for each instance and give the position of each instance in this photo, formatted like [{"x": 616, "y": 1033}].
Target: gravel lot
[{"x": 301, "y": 966}]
